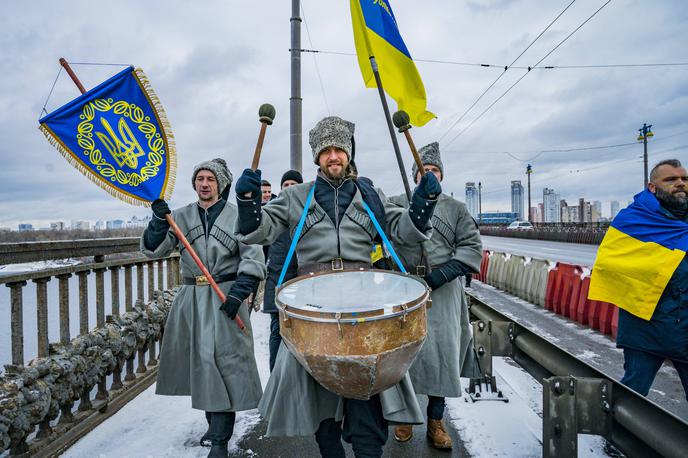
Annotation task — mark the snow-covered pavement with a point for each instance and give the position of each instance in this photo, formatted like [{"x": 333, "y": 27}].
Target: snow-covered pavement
[{"x": 159, "y": 426}]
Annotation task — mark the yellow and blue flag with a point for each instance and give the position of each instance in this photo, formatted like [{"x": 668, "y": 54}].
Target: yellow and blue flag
[
  {"x": 376, "y": 34},
  {"x": 117, "y": 135},
  {"x": 638, "y": 256}
]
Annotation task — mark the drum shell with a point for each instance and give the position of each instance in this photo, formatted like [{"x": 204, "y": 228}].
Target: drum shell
[{"x": 360, "y": 359}]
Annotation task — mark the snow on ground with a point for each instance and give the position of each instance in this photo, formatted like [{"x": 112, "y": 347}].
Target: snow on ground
[
  {"x": 508, "y": 429},
  {"x": 13, "y": 269},
  {"x": 166, "y": 426}
]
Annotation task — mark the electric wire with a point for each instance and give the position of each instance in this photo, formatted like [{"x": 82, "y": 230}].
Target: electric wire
[
  {"x": 525, "y": 74},
  {"x": 315, "y": 61},
  {"x": 99, "y": 63},
  {"x": 503, "y": 73},
  {"x": 43, "y": 110}
]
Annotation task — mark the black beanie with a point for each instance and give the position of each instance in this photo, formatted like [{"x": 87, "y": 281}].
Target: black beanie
[{"x": 291, "y": 175}]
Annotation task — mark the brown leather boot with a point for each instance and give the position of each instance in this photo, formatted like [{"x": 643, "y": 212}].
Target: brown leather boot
[
  {"x": 403, "y": 433},
  {"x": 438, "y": 435}
]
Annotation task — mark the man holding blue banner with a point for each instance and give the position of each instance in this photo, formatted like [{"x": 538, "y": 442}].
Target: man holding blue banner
[
  {"x": 642, "y": 267},
  {"x": 337, "y": 235},
  {"x": 204, "y": 354}
]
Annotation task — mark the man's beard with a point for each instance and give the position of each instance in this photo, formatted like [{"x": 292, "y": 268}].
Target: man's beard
[
  {"x": 343, "y": 172},
  {"x": 672, "y": 202}
]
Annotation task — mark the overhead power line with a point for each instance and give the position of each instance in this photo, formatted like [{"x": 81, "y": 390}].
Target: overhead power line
[
  {"x": 315, "y": 61},
  {"x": 526, "y": 73},
  {"x": 505, "y": 70}
]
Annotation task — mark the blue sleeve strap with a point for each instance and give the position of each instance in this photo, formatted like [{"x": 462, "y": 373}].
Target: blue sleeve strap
[
  {"x": 385, "y": 240},
  {"x": 295, "y": 239}
]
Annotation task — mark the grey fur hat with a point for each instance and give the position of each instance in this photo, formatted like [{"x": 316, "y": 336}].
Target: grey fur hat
[
  {"x": 219, "y": 168},
  {"x": 429, "y": 154},
  {"x": 331, "y": 131}
]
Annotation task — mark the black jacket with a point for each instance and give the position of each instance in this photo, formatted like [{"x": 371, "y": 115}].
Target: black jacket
[{"x": 275, "y": 261}]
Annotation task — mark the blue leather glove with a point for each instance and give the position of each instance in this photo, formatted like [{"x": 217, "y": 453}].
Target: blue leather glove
[
  {"x": 231, "y": 306},
  {"x": 249, "y": 181},
  {"x": 429, "y": 187}
]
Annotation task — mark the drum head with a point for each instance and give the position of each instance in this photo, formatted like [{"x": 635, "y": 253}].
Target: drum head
[{"x": 351, "y": 292}]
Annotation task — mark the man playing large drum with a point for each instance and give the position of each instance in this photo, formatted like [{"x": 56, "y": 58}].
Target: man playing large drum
[
  {"x": 337, "y": 234},
  {"x": 454, "y": 250}
]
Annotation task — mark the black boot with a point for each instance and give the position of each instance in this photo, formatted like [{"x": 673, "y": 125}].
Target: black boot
[
  {"x": 329, "y": 439},
  {"x": 221, "y": 429},
  {"x": 205, "y": 438}
]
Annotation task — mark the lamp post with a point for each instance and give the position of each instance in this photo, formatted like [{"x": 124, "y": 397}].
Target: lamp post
[
  {"x": 645, "y": 132},
  {"x": 480, "y": 202},
  {"x": 529, "y": 171}
]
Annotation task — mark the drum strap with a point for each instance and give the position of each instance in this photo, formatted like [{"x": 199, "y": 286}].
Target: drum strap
[
  {"x": 299, "y": 228},
  {"x": 295, "y": 239},
  {"x": 385, "y": 240}
]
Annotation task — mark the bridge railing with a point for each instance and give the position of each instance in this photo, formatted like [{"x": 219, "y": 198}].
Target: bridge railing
[
  {"x": 44, "y": 391},
  {"x": 589, "y": 233}
]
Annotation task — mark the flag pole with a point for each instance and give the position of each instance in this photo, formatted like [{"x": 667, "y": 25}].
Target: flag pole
[
  {"x": 177, "y": 230},
  {"x": 390, "y": 126}
]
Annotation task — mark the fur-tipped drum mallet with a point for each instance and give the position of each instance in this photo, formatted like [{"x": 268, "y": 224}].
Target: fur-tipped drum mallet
[
  {"x": 403, "y": 123},
  {"x": 266, "y": 114}
]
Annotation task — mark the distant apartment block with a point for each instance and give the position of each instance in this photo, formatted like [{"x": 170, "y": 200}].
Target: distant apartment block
[
  {"x": 114, "y": 224},
  {"x": 518, "y": 205},
  {"x": 614, "y": 208},
  {"x": 472, "y": 200},
  {"x": 551, "y": 212},
  {"x": 24, "y": 227}
]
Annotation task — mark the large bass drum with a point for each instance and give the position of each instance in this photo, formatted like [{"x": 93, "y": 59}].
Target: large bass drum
[{"x": 356, "y": 332}]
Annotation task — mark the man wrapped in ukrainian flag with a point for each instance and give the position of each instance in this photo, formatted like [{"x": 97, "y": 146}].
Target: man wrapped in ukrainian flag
[{"x": 642, "y": 267}]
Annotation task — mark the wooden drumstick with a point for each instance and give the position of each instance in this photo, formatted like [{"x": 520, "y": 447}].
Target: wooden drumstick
[
  {"x": 403, "y": 123},
  {"x": 266, "y": 114}
]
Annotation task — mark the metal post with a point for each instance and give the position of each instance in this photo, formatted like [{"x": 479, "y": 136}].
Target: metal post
[
  {"x": 42, "y": 315},
  {"x": 100, "y": 297},
  {"x": 295, "y": 101},
  {"x": 128, "y": 304},
  {"x": 83, "y": 302},
  {"x": 395, "y": 144},
  {"x": 114, "y": 290},
  {"x": 529, "y": 171},
  {"x": 645, "y": 132},
  {"x": 480, "y": 202},
  {"x": 17, "y": 319},
  {"x": 64, "y": 308}
]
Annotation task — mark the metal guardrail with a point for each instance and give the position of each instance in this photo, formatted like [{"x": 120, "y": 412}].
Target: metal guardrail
[
  {"x": 591, "y": 236},
  {"x": 15, "y": 253},
  {"x": 68, "y": 370},
  {"x": 579, "y": 398}
]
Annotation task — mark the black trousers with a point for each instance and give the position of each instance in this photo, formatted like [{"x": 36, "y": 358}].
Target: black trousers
[
  {"x": 435, "y": 407},
  {"x": 275, "y": 338},
  {"x": 364, "y": 428}
]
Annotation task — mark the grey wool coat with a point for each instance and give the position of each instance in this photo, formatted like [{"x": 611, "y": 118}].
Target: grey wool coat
[
  {"x": 294, "y": 404},
  {"x": 204, "y": 354},
  {"x": 446, "y": 353}
]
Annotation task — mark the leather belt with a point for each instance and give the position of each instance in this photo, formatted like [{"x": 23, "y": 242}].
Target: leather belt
[
  {"x": 335, "y": 265},
  {"x": 201, "y": 280}
]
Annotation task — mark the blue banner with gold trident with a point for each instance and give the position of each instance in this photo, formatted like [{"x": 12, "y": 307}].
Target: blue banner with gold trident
[{"x": 117, "y": 135}]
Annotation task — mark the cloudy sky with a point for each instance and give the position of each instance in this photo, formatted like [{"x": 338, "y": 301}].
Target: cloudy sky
[{"x": 212, "y": 63}]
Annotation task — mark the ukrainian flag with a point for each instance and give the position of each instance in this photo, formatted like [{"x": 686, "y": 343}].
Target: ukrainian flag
[
  {"x": 376, "y": 34},
  {"x": 638, "y": 256}
]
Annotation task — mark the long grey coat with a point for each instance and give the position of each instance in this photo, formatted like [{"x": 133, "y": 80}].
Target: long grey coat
[
  {"x": 294, "y": 404},
  {"x": 446, "y": 352},
  {"x": 203, "y": 353}
]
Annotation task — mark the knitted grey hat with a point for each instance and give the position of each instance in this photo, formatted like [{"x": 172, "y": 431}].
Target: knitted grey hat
[
  {"x": 219, "y": 168},
  {"x": 429, "y": 154},
  {"x": 331, "y": 131}
]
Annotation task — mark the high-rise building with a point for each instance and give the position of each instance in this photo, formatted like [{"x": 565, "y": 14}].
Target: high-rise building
[
  {"x": 81, "y": 225},
  {"x": 114, "y": 224},
  {"x": 472, "y": 199},
  {"x": 551, "y": 206},
  {"x": 518, "y": 205},
  {"x": 597, "y": 205},
  {"x": 615, "y": 208},
  {"x": 57, "y": 226},
  {"x": 24, "y": 227}
]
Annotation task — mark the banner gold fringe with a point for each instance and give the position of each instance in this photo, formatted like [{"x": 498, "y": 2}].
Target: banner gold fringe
[
  {"x": 169, "y": 138},
  {"x": 167, "y": 129},
  {"x": 87, "y": 172}
]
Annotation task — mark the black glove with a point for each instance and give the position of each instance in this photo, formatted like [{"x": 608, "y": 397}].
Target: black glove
[
  {"x": 429, "y": 187},
  {"x": 160, "y": 208},
  {"x": 231, "y": 306},
  {"x": 435, "y": 279},
  {"x": 249, "y": 181}
]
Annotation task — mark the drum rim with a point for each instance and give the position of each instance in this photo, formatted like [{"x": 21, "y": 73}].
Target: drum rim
[{"x": 407, "y": 307}]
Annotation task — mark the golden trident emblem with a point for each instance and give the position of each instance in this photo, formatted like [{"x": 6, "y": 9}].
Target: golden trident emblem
[{"x": 125, "y": 149}]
